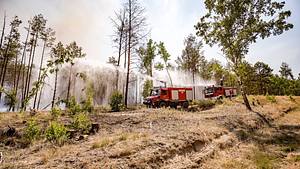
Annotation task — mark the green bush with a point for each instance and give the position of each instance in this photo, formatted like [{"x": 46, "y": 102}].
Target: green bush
[
  {"x": 56, "y": 133},
  {"x": 205, "y": 104},
  {"x": 55, "y": 112},
  {"x": 32, "y": 131},
  {"x": 73, "y": 106},
  {"x": 271, "y": 98},
  {"x": 148, "y": 85},
  {"x": 116, "y": 101},
  {"x": 82, "y": 122},
  {"x": 88, "y": 105}
]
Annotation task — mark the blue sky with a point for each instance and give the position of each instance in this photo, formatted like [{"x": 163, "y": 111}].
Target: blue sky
[{"x": 170, "y": 21}]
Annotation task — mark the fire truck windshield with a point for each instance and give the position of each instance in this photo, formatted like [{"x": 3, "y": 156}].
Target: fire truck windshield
[
  {"x": 155, "y": 92},
  {"x": 209, "y": 90}
]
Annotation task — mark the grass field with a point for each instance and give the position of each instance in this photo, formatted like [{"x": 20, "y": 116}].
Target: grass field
[{"x": 225, "y": 136}]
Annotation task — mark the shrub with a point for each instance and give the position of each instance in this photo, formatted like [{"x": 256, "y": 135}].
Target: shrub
[
  {"x": 271, "y": 98},
  {"x": 82, "y": 122},
  {"x": 205, "y": 104},
  {"x": 32, "y": 131},
  {"x": 116, "y": 101},
  {"x": 56, "y": 133},
  {"x": 148, "y": 85},
  {"x": 88, "y": 105},
  {"x": 73, "y": 106},
  {"x": 55, "y": 112}
]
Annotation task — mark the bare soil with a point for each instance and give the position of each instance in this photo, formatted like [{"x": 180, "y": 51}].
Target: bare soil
[{"x": 227, "y": 136}]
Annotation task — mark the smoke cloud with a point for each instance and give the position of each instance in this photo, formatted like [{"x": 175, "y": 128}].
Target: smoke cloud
[{"x": 86, "y": 22}]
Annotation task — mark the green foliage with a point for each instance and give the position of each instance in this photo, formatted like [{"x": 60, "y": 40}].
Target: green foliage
[
  {"x": 55, "y": 112},
  {"x": 32, "y": 131},
  {"x": 263, "y": 160},
  {"x": 165, "y": 56},
  {"x": 10, "y": 99},
  {"x": 74, "y": 107},
  {"x": 56, "y": 133},
  {"x": 73, "y": 51},
  {"x": 235, "y": 25},
  {"x": 82, "y": 122},
  {"x": 282, "y": 86},
  {"x": 271, "y": 98},
  {"x": 88, "y": 104},
  {"x": 263, "y": 74},
  {"x": 205, "y": 104},
  {"x": 259, "y": 80},
  {"x": 285, "y": 71},
  {"x": 148, "y": 85},
  {"x": 192, "y": 58},
  {"x": 116, "y": 101},
  {"x": 147, "y": 57}
]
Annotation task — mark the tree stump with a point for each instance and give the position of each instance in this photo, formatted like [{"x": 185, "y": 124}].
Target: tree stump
[{"x": 95, "y": 128}]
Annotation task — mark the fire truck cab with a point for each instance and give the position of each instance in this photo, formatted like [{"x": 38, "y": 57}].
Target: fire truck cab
[
  {"x": 169, "y": 96},
  {"x": 219, "y": 92}
]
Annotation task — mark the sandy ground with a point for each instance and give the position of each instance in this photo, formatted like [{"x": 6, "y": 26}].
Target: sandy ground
[{"x": 227, "y": 136}]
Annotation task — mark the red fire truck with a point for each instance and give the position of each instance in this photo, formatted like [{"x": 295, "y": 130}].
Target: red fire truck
[
  {"x": 219, "y": 92},
  {"x": 170, "y": 96}
]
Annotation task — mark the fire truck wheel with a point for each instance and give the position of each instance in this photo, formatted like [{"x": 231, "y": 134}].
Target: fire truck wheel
[
  {"x": 185, "y": 105},
  {"x": 162, "y": 104},
  {"x": 173, "y": 105}
]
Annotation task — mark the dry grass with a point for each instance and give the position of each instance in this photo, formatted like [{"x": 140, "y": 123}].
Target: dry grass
[
  {"x": 48, "y": 155},
  {"x": 112, "y": 140},
  {"x": 165, "y": 138},
  {"x": 102, "y": 143}
]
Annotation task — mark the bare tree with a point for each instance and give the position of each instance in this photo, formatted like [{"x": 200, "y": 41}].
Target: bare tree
[
  {"x": 120, "y": 31},
  {"x": 136, "y": 33}
]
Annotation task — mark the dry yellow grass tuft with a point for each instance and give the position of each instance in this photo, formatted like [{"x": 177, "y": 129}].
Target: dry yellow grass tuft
[{"x": 112, "y": 140}]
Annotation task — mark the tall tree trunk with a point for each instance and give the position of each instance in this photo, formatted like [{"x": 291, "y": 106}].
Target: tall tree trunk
[
  {"x": 21, "y": 66},
  {"x": 40, "y": 70},
  {"x": 15, "y": 71},
  {"x": 28, "y": 65},
  {"x": 69, "y": 86},
  {"x": 55, "y": 86},
  {"x": 194, "y": 88},
  {"x": 1, "y": 41},
  {"x": 245, "y": 98},
  {"x": 5, "y": 61},
  {"x": 125, "y": 59},
  {"x": 120, "y": 53},
  {"x": 3, "y": 30},
  {"x": 129, "y": 53},
  {"x": 31, "y": 66},
  {"x": 40, "y": 96},
  {"x": 13, "y": 107}
]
